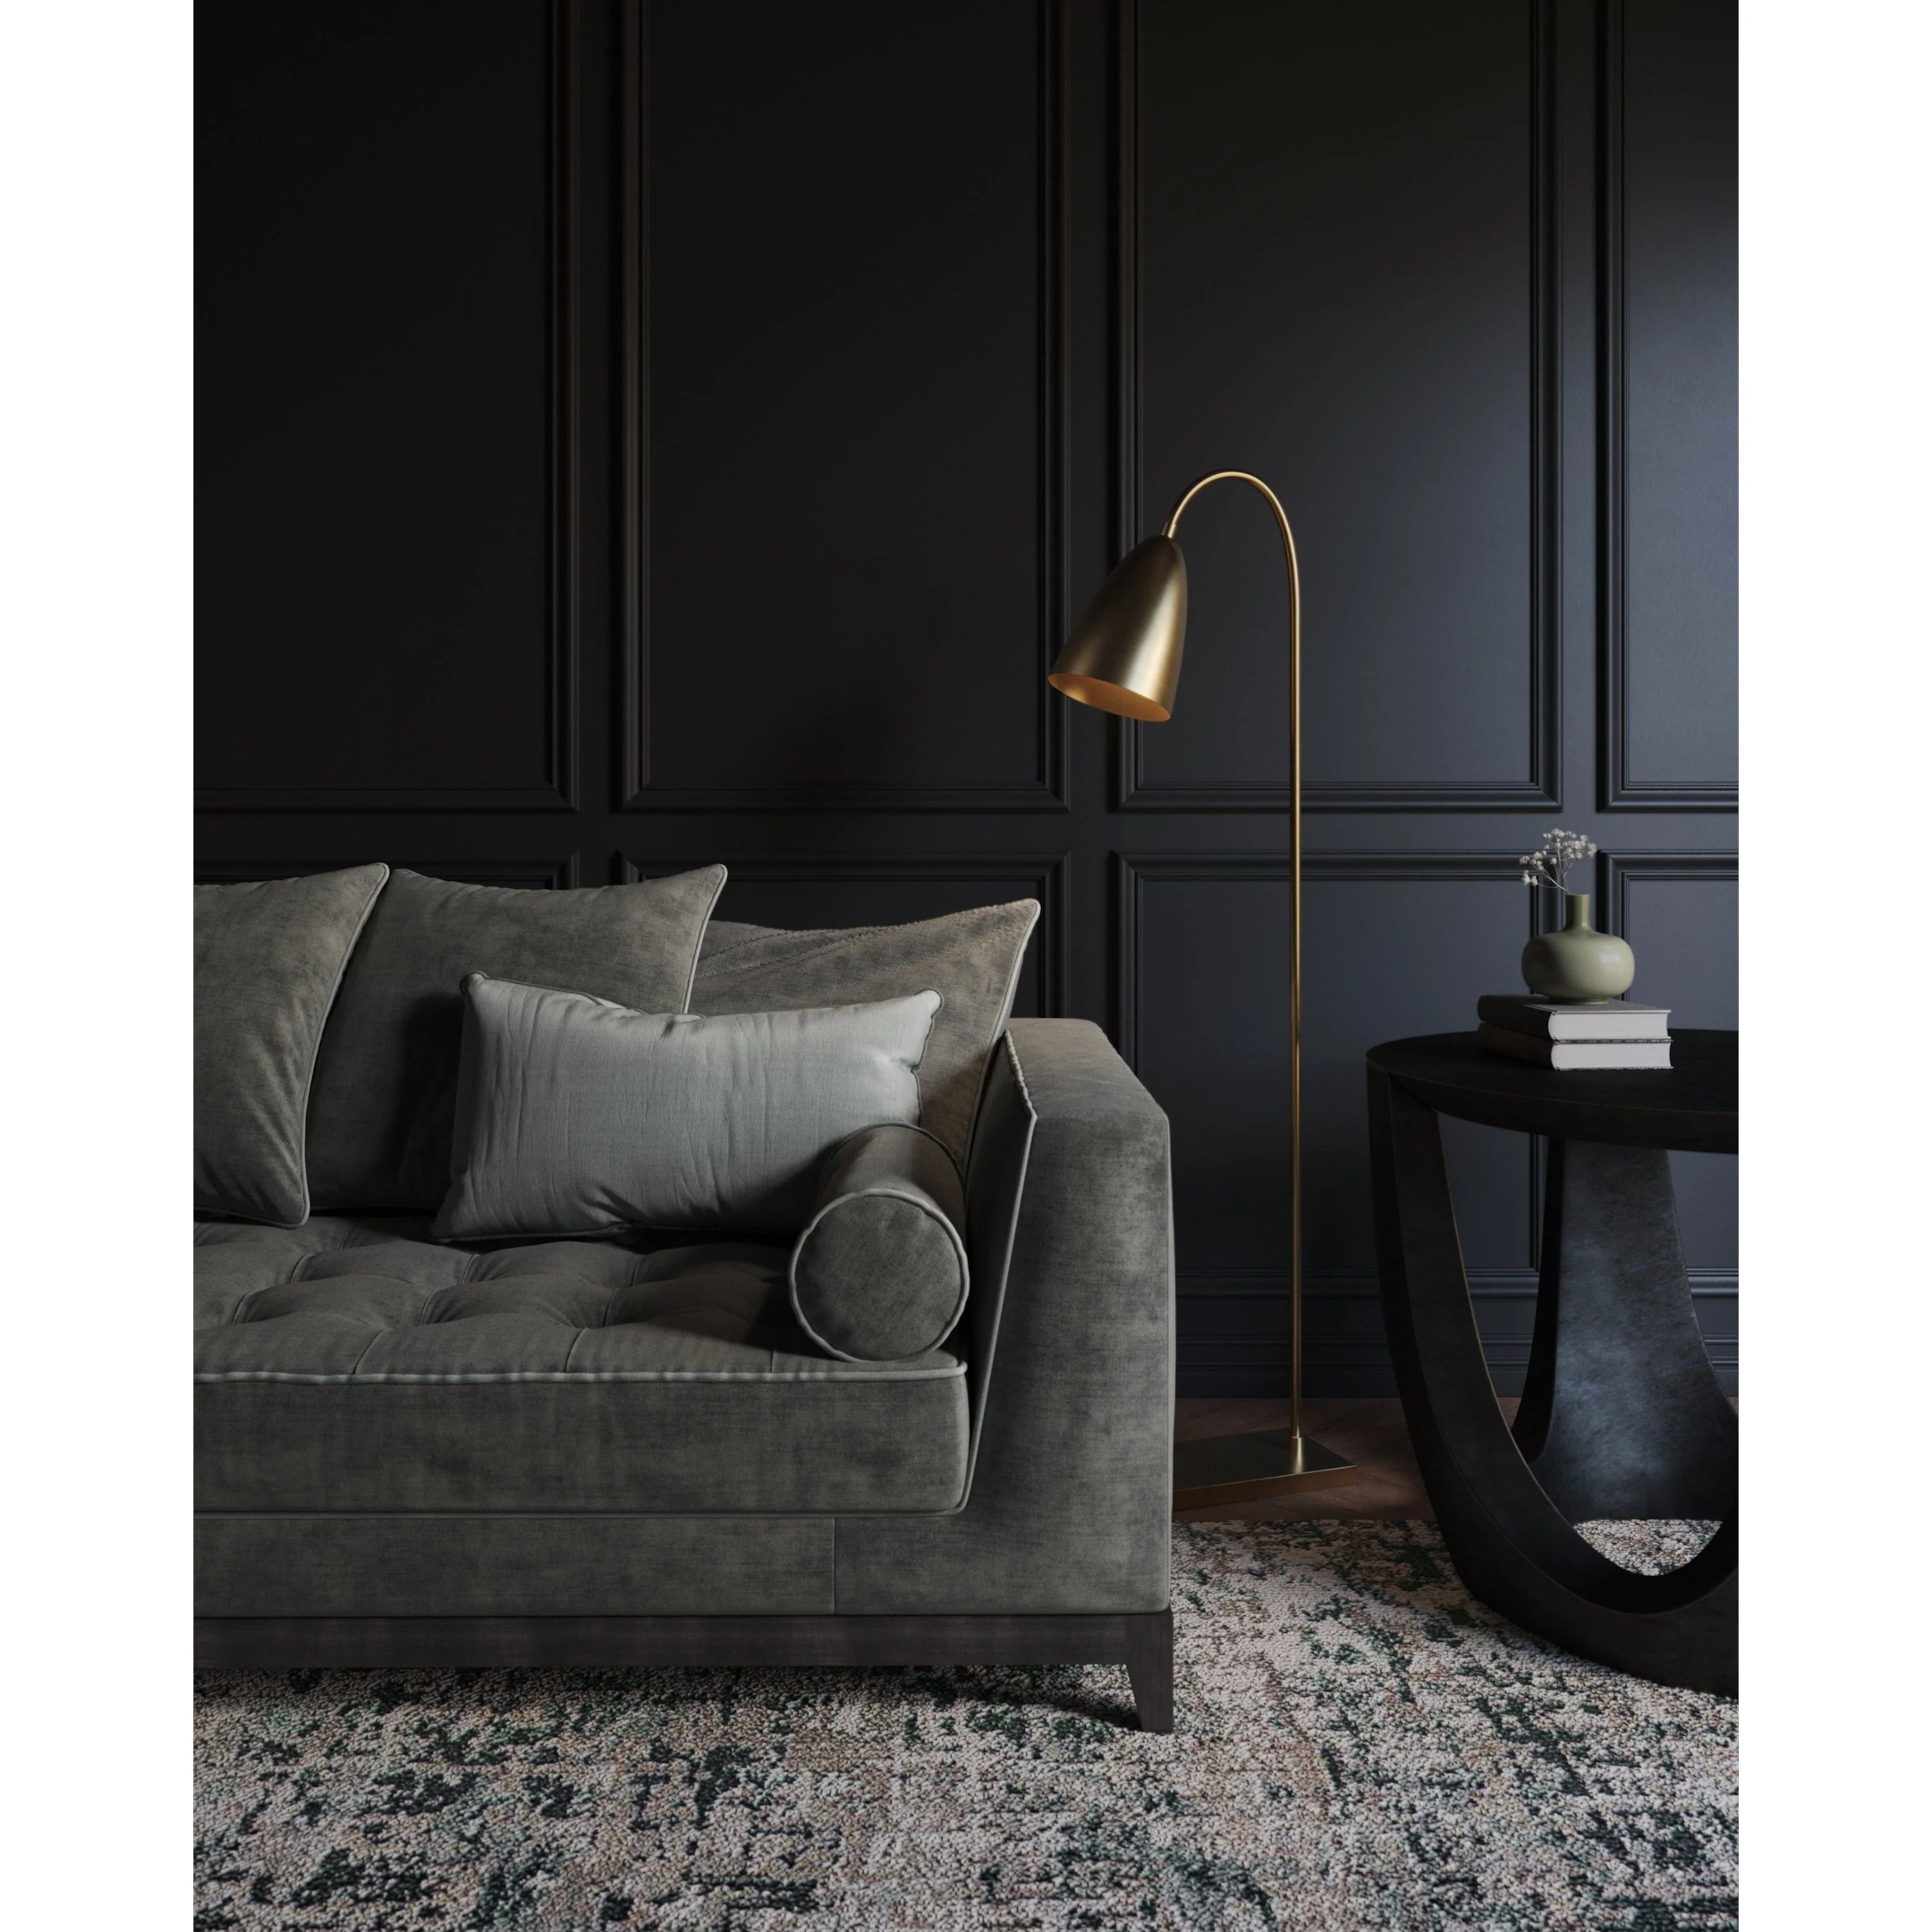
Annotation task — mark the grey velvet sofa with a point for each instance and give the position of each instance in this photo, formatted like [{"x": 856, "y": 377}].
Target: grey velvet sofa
[{"x": 627, "y": 1452}]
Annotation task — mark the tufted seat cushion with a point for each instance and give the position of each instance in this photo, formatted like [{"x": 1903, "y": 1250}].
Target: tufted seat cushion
[{"x": 350, "y": 1365}]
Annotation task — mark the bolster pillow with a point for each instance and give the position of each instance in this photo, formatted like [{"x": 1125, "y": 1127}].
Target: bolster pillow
[{"x": 879, "y": 1274}]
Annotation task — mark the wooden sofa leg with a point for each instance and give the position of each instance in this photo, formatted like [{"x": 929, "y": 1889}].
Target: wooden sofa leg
[{"x": 1150, "y": 1668}]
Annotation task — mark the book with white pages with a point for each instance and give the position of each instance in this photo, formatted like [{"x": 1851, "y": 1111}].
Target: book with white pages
[
  {"x": 1600, "y": 1019},
  {"x": 1576, "y": 1055}
]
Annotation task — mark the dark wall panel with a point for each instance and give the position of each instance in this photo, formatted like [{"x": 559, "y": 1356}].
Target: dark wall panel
[
  {"x": 1670, "y": 231},
  {"x": 1680, "y": 913},
  {"x": 801, "y": 893},
  {"x": 377, "y": 605},
  {"x": 637, "y": 434},
  {"x": 1343, "y": 286},
  {"x": 847, "y": 321},
  {"x": 1394, "y": 941},
  {"x": 529, "y": 875}
]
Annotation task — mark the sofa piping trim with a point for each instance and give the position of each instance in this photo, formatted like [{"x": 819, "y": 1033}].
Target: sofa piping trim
[
  {"x": 993, "y": 1291},
  {"x": 596, "y": 1375}
]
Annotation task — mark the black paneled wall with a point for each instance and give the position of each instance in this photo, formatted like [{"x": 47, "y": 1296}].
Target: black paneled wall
[{"x": 638, "y": 437}]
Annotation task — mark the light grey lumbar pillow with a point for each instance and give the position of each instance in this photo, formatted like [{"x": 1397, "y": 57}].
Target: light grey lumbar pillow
[
  {"x": 270, "y": 956},
  {"x": 386, "y": 1080},
  {"x": 972, "y": 959},
  {"x": 880, "y": 1272},
  {"x": 575, "y": 1115}
]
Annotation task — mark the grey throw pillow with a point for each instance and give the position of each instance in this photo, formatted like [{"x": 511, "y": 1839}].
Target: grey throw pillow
[
  {"x": 268, "y": 958},
  {"x": 971, "y": 959},
  {"x": 385, "y": 1097},
  {"x": 576, "y": 1115},
  {"x": 880, "y": 1272}
]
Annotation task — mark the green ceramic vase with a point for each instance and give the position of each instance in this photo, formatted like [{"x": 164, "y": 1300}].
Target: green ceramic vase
[{"x": 1578, "y": 964}]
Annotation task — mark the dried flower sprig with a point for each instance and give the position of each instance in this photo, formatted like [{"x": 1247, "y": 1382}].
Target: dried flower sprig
[{"x": 1549, "y": 864}]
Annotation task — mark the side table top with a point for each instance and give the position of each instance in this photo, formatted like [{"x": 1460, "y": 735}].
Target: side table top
[{"x": 1692, "y": 1106}]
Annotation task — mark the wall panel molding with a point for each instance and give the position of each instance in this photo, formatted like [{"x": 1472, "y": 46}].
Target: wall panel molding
[
  {"x": 1041, "y": 875},
  {"x": 1134, "y": 872},
  {"x": 1543, "y": 786},
  {"x": 1616, "y": 872},
  {"x": 1616, "y": 790},
  {"x": 558, "y": 789},
  {"x": 1363, "y": 1284},
  {"x": 1236, "y": 1333},
  {"x": 541, "y": 874},
  {"x": 1208, "y": 1294},
  {"x": 637, "y": 791}
]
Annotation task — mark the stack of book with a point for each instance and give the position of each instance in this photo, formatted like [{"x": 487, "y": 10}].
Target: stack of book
[{"x": 1615, "y": 1034}]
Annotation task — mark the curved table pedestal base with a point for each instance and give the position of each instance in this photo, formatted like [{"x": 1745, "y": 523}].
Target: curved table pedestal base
[{"x": 1620, "y": 1415}]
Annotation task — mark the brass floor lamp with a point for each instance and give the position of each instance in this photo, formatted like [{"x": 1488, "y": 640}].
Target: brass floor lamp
[{"x": 1124, "y": 656}]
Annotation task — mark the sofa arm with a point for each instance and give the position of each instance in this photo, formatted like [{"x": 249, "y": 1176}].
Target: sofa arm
[{"x": 1070, "y": 1493}]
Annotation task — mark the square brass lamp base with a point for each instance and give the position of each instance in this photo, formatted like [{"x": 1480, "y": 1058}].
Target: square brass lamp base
[{"x": 1238, "y": 1469}]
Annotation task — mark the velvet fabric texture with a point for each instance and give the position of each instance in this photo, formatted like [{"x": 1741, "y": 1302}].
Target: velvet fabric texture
[
  {"x": 381, "y": 1112},
  {"x": 995, "y": 1187},
  {"x": 268, "y": 957},
  {"x": 316, "y": 1564},
  {"x": 1071, "y": 1495},
  {"x": 353, "y": 1366},
  {"x": 1067, "y": 1489},
  {"x": 971, "y": 959},
  {"x": 880, "y": 1272},
  {"x": 575, "y": 1115}
]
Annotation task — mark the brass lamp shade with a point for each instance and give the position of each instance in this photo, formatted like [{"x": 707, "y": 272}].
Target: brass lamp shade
[{"x": 1124, "y": 653}]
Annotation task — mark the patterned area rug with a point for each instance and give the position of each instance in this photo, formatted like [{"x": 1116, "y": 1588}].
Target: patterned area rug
[{"x": 1357, "y": 1745}]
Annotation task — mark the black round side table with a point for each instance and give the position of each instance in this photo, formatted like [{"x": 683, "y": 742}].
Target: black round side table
[{"x": 1620, "y": 1415}]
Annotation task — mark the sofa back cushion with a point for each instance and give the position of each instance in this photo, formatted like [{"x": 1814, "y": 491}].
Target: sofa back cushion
[
  {"x": 269, "y": 956},
  {"x": 385, "y": 1094},
  {"x": 971, "y": 959},
  {"x": 577, "y": 1116}
]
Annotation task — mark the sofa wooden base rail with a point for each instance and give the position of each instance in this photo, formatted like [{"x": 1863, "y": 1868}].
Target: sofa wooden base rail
[{"x": 1143, "y": 1642}]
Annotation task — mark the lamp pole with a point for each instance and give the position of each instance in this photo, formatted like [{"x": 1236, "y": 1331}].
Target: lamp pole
[
  {"x": 1294, "y": 889},
  {"x": 1124, "y": 656}
]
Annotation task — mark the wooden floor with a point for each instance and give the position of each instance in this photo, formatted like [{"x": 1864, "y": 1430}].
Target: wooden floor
[{"x": 1366, "y": 1429}]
